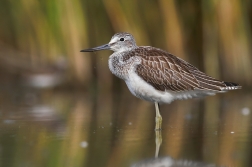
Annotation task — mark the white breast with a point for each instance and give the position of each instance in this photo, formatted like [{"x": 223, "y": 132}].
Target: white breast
[{"x": 145, "y": 91}]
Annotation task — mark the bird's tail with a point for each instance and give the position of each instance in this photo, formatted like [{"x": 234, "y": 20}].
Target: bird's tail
[{"x": 231, "y": 86}]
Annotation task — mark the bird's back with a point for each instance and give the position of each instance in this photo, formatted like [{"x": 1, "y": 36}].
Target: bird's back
[{"x": 166, "y": 72}]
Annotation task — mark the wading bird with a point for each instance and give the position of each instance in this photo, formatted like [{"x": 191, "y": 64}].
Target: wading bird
[{"x": 157, "y": 76}]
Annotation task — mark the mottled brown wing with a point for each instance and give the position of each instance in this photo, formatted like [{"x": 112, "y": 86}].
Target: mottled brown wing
[{"x": 167, "y": 72}]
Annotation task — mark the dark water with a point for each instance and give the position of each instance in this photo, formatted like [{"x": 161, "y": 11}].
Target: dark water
[{"x": 77, "y": 129}]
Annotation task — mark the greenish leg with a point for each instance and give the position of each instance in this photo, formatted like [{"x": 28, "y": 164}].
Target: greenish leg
[
  {"x": 158, "y": 141},
  {"x": 158, "y": 117}
]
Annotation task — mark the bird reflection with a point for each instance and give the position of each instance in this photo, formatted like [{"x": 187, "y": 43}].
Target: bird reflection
[
  {"x": 167, "y": 161},
  {"x": 170, "y": 162}
]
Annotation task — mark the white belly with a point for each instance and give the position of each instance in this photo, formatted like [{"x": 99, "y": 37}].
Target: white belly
[{"x": 143, "y": 90}]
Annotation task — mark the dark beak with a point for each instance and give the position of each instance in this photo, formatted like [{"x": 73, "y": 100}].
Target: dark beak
[{"x": 102, "y": 47}]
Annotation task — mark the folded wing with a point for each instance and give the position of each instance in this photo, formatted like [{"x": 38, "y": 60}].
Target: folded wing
[{"x": 165, "y": 71}]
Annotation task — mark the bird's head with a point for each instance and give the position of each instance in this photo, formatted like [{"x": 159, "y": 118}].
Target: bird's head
[{"x": 119, "y": 42}]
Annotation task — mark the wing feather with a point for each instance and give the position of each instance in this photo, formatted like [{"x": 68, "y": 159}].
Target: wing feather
[{"x": 164, "y": 71}]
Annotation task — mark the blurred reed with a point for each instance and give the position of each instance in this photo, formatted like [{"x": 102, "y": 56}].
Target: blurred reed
[{"x": 49, "y": 29}]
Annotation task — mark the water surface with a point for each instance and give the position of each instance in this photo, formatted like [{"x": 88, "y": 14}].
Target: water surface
[{"x": 75, "y": 128}]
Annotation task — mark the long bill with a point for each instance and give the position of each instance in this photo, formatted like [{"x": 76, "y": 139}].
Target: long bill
[{"x": 102, "y": 47}]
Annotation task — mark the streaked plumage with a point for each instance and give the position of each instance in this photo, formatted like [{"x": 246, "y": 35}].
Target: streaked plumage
[{"x": 155, "y": 75}]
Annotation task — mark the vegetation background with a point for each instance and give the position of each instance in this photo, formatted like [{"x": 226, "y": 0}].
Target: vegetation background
[
  {"x": 47, "y": 36},
  {"x": 215, "y": 36}
]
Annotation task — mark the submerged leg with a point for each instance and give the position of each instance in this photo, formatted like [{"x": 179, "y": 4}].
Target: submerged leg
[
  {"x": 158, "y": 117},
  {"x": 158, "y": 142}
]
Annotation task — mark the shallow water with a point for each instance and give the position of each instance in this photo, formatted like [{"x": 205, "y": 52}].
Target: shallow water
[{"x": 111, "y": 129}]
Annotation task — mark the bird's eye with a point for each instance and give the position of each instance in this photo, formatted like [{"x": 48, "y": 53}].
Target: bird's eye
[{"x": 121, "y": 39}]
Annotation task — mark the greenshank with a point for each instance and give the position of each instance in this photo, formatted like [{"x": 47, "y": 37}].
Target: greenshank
[{"x": 157, "y": 76}]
